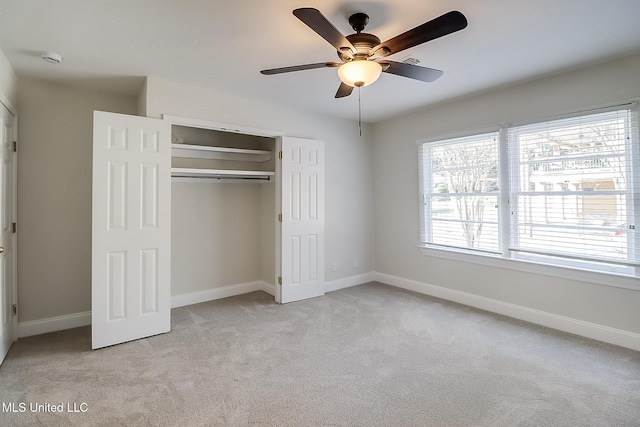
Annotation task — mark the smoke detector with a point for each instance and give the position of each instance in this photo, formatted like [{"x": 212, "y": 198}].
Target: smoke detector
[{"x": 51, "y": 57}]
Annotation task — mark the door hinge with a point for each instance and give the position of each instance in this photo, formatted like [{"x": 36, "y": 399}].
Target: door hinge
[
  {"x": 14, "y": 309},
  {"x": 280, "y": 217},
  {"x": 15, "y": 146},
  {"x": 280, "y": 155},
  {"x": 279, "y": 280},
  {"x": 14, "y": 227}
]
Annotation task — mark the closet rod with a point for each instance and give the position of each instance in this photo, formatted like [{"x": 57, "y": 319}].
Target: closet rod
[{"x": 220, "y": 177}]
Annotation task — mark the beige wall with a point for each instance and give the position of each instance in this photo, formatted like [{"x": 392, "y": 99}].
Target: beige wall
[
  {"x": 215, "y": 235},
  {"x": 396, "y": 207},
  {"x": 54, "y": 195},
  {"x": 349, "y": 198},
  {"x": 54, "y": 187}
]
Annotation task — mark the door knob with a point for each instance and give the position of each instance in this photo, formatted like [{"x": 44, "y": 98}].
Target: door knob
[{"x": 1, "y": 249}]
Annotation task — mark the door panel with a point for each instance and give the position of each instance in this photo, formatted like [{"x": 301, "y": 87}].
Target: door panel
[
  {"x": 131, "y": 228},
  {"x": 7, "y": 236},
  {"x": 302, "y": 230}
]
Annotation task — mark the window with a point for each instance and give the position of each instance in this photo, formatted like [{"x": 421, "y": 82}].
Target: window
[
  {"x": 460, "y": 179},
  {"x": 561, "y": 192}
]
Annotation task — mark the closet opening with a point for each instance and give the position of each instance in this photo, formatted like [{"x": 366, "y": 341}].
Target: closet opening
[{"x": 223, "y": 212}]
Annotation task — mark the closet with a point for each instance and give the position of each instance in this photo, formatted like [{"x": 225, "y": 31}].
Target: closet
[
  {"x": 223, "y": 186},
  {"x": 185, "y": 206}
]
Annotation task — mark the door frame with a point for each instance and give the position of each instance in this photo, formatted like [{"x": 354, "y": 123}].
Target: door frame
[
  {"x": 247, "y": 130},
  {"x": 14, "y": 214}
]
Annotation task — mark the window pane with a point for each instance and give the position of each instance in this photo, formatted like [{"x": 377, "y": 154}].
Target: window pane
[
  {"x": 552, "y": 224},
  {"x": 466, "y": 222},
  {"x": 461, "y": 197},
  {"x": 569, "y": 187}
]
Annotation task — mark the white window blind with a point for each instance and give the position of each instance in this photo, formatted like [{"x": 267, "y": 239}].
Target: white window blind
[
  {"x": 460, "y": 193},
  {"x": 573, "y": 188}
]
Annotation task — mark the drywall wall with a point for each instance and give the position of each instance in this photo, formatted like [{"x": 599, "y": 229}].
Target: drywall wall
[
  {"x": 215, "y": 235},
  {"x": 348, "y": 158},
  {"x": 396, "y": 209},
  {"x": 142, "y": 99},
  {"x": 54, "y": 195},
  {"x": 8, "y": 81}
]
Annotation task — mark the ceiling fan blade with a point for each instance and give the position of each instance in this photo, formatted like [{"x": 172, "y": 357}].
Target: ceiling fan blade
[
  {"x": 325, "y": 29},
  {"x": 300, "y": 68},
  {"x": 441, "y": 26},
  {"x": 344, "y": 90},
  {"x": 411, "y": 71}
]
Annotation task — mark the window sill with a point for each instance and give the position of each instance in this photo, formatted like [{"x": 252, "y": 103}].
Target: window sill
[{"x": 600, "y": 278}]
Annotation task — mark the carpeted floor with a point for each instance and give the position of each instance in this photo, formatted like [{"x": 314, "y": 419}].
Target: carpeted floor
[{"x": 371, "y": 355}]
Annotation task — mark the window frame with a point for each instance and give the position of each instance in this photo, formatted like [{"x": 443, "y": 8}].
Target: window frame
[
  {"x": 609, "y": 274},
  {"x": 427, "y": 182}
]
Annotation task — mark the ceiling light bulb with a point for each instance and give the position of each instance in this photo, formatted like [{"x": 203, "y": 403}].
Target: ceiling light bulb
[{"x": 359, "y": 72}]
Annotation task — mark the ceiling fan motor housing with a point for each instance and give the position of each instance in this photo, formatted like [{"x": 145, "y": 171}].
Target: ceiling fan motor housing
[
  {"x": 363, "y": 42},
  {"x": 358, "y": 21}
]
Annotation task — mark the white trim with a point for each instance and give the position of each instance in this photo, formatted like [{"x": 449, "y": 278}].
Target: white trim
[
  {"x": 53, "y": 324},
  {"x": 5, "y": 101},
  {"x": 224, "y": 127},
  {"x": 579, "y": 327},
  {"x": 219, "y": 293},
  {"x": 459, "y": 134},
  {"x": 567, "y": 324},
  {"x": 529, "y": 266},
  {"x": 594, "y": 109},
  {"x": 347, "y": 282},
  {"x": 267, "y": 287},
  {"x": 76, "y": 320},
  {"x": 59, "y": 323}
]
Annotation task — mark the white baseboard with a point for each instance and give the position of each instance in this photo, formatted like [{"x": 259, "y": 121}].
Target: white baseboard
[
  {"x": 223, "y": 292},
  {"x": 53, "y": 324},
  {"x": 567, "y": 324},
  {"x": 59, "y": 323},
  {"x": 269, "y": 288},
  {"x": 347, "y": 282}
]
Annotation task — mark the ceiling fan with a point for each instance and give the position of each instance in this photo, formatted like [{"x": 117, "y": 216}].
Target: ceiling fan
[{"x": 361, "y": 53}]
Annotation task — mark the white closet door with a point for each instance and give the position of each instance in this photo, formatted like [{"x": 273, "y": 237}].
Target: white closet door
[
  {"x": 7, "y": 242},
  {"x": 131, "y": 228},
  {"x": 302, "y": 231}
]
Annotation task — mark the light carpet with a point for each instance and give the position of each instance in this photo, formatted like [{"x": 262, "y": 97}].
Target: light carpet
[{"x": 371, "y": 355}]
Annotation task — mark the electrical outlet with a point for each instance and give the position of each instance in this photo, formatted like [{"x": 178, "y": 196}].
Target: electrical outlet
[
  {"x": 356, "y": 262},
  {"x": 334, "y": 266}
]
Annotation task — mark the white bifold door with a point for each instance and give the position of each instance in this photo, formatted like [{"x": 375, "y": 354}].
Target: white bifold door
[
  {"x": 131, "y": 213},
  {"x": 302, "y": 228},
  {"x": 131, "y": 225}
]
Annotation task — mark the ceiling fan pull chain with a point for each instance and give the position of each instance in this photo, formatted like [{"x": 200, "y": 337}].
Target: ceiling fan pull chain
[{"x": 359, "y": 111}]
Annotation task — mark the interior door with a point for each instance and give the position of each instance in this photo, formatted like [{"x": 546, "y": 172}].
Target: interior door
[
  {"x": 131, "y": 214},
  {"x": 7, "y": 239},
  {"x": 302, "y": 229}
]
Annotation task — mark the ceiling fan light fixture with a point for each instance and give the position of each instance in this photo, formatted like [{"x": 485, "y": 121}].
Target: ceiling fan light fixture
[{"x": 359, "y": 73}]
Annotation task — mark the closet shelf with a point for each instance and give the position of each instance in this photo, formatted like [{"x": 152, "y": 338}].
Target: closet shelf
[
  {"x": 219, "y": 173},
  {"x": 219, "y": 153}
]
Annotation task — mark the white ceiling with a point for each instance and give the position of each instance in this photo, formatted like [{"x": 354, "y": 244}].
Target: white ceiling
[{"x": 113, "y": 44}]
